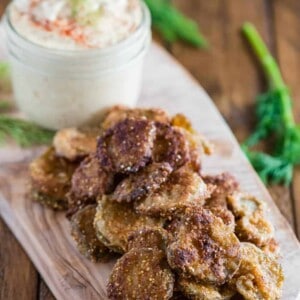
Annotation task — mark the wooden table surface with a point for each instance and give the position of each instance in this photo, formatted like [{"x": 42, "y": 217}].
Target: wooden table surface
[{"x": 228, "y": 73}]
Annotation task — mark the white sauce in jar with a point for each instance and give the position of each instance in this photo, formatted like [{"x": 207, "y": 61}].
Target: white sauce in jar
[{"x": 76, "y": 24}]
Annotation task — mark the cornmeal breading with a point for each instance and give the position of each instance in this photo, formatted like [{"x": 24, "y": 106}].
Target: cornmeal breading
[
  {"x": 222, "y": 186},
  {"x": 84, "y": 234},
  {"x": 259, "y": 276},
  {"x": 170, "y": 146},
  {"x": 200, "y": 291},
  {"x": 50, "y": 178},
  {"x": 73, "y": 144},
  {"x": 141, "y": 274},
  {"x": 155, "y": 238},
  {"x": 126, "y": 147},
  {"x": 138, "y": 185},
  {"x": 119, "y": 113},
  {"x": 89, "y": 181},
  {"x": 203, "y": 247},
  {"x": 251, "y": 223},
  {"x": 183, "y": 189},
  {"x": 115, "y": 222}
]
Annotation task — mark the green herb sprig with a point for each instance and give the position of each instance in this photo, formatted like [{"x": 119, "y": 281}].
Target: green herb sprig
[
  {"x": 24, "y": 133},
  {"x": 173, "y": 25},
  {"x": 274, "y": 120}
]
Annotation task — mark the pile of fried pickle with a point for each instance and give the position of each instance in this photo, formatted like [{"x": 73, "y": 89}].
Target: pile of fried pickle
[{"x": 132, "y": 186}]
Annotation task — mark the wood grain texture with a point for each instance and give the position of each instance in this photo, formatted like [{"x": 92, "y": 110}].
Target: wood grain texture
[
  {"x": 228, "y": 71},
  {"x": 287, "y": 27},
  {"x": 45, "y": 236}
]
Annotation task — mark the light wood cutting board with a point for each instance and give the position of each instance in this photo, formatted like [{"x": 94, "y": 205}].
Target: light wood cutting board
[{"x": 45, "y": 234}]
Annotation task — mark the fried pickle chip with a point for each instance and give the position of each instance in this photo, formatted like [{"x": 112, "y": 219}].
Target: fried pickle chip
[
  {"x": 141, "y": 274},
  {"x": 73, "y": 144},
  {"x": 272, "y": 248},
  {"x": 136, "y": 186},
  {"x": 84, "y": 234},
  {"x": 259, "y": 276},
  {"x": 89, "y": 181},
  {"x": 170, "y": 146},
  {"x": 50, "y": 178},
  {"x": 183, "y": 189},
  {"x": 114, "y": 222},
  {"x": 120, "y": 113},
  {"x": 155, "y": 238},
  {"x": 198, "y": 145},
  {"x": 127, "y": 147},
  {"x": 225, "y": 214},
  {"x": 203, "y": 247},
  {"x": 199, "y": 291},
  {"x": 251, "y": 223},
  {"x": 222, "y": 186},
  {"x": 243, "y": 204}
]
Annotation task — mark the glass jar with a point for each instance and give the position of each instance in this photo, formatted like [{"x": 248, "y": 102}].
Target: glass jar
[{"x": 65, "y": 88}]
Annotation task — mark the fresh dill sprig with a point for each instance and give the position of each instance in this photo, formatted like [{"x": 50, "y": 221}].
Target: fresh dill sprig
[
  {"x": 4, "y": 76},
  {"x": 24, "y": 133},
  {"x": 274, "y": 119},
  {"x": 4, "y": 105},
  {"x": 173, "y": 25}
]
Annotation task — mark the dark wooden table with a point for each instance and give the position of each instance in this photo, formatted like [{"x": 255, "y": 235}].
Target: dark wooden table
[{"x": 228, "y": 72}]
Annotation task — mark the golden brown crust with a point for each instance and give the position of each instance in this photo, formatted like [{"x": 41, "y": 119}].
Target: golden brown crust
[
  {"x": 89, "y": 181},
  {"x": 119, "y": 113},
  {"x": 183, "y": 189},
  {"x": 50, "y": 178},
  {"x": 141, "y": 274},
  {"x": 84, "y": 234},
  {"x": 225, "y": 214},
  {"x": 199, "y": 247},
  {"x": 222, "y": 186},
  {"x": 170, "y": 146},
  {"x": 199, "y": 291},
  {"x": 73, "y": 144},
  {"x": 259, "y": 276},
  {"x": 126, "y": 147},
  {"x": 251, "y": 223},
  {"x": 115, "y": 222},
  {"x": 154, "y": 238},
  {"x": 138, "y": 185}
]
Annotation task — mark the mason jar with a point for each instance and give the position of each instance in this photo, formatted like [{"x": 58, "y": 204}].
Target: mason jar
[{"x": 65, "y": 88}]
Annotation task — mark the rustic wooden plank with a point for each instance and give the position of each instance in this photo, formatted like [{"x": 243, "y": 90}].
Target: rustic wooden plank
[
  {"x": 44, "y": 292},
  {"x": 228, "y": 71},
  {"x": 45, "y": 234},
  {"x": 18, "y": 278},
  {"x": 287, "y": 27}
]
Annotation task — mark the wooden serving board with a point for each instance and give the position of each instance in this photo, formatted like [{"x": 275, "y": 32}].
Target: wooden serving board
[{"x": 45, "y": 235}]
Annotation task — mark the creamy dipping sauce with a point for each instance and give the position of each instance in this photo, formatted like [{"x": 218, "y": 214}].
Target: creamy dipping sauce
[
  {"x": 75, "y": 24},
  {"x": 71, "y": 59}
]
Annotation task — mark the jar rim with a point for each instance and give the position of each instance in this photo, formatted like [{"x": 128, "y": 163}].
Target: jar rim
[{"x": 145, "y": 22}]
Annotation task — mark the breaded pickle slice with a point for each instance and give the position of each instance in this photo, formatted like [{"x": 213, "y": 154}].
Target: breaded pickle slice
[
  {"x": 74, "y": 144},
  {"x": 141, "y": 274},
  {"x": 84, "y": 234},
  {"x": 184, "y": 188},
  {"x": 203, "y": 247},
  {"x": 50, "y": 178},
  {"x": 154, "y": 238},
  {"x": 115, "y": 222},
  {"x": 89, "y": 181},
  {"x": 126, "y": 147},
  {"x": 119, "y": 113},
  {"x": 199, "y": 291},
  {"x": 251, "y": 223},
  {"x": 138, "y": 185},
  {"x": 259, "y": 276}
]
